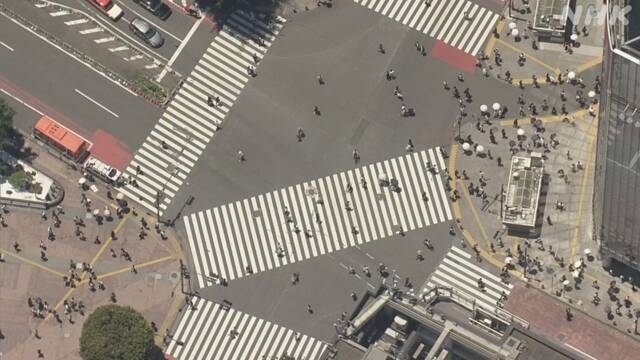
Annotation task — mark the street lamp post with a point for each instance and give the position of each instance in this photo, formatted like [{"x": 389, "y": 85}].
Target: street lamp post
[{"x": 158, "y": 195}]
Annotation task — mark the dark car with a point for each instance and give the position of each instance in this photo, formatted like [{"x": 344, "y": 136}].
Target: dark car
[
  {"x": 156, "y": 7},
  {"x": 146, "y": 32}
]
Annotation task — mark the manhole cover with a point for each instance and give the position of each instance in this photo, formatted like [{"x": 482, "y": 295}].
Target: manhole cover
[{"x": 174, "y": 275}]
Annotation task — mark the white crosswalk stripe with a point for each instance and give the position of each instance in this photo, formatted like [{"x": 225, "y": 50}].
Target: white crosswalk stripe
[
  {"x": 213, "y": 332},
  {"x": 459, "y": 23},
  {"x": 458, "y": 271},
  {"x": 237, "y": 239},
  {"x": 188, "y": 124}
]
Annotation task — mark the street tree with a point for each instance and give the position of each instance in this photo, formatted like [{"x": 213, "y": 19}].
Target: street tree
[{"x": 116, "y": 332}]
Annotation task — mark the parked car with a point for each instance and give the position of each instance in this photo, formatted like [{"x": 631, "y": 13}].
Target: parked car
[
  {"x": 109, "y": 8},
  {"x": 156, "y": 7},
  {"x": 146, "y": 32}
]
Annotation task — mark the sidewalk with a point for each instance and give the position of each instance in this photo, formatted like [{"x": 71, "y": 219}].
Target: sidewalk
[
  {"x": 546, "y": 58},
  {"x": 569, "y": 233},
  {"x": 155, "y": 290}
]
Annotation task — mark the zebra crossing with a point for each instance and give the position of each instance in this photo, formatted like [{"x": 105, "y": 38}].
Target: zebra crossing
[
  {"x": 318, "y": 217},
  {"x": 213, "y": 332},
  {"x": 163, "y": 162},
  {"x": 459, "y": 23},
  {"x": 458, "y": 271}
]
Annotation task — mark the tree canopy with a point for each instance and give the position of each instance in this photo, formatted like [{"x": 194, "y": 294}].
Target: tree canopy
[
  {"x": 7, "y": 132},
  {"x": 114, "y": 332}
]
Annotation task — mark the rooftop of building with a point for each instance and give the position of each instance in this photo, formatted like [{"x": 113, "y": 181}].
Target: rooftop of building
[
  {"x": 523, "y": 190},
  {"x": 438, "y": 325},
  {"x": 551, "y": 14}
]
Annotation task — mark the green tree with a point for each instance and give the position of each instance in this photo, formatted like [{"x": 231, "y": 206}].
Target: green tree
[
  {"x": 20, "y": 180},
  {"x": 10, "y": 139},
  {"x": 114, "y": 332}
]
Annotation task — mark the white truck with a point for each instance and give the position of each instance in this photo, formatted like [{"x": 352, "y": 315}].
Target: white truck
[{"x": 102, "y": 170}]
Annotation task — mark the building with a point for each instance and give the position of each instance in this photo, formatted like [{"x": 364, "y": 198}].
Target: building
[
  {"x": 440, "y": 324},
  {"x": 617, "y": 181},
  {"x": 551, "y": 20},
  {"x": 522, "y": 194}
]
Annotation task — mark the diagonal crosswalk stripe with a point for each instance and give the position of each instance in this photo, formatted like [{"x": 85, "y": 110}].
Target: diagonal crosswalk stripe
[
  {"x": 162, "y": 163},
  {"x": 210, "y": 331},
  {"x": 317, "y": 217},
  {"x": 459, "y": 23},
  {"x": 457, "y": 270}
]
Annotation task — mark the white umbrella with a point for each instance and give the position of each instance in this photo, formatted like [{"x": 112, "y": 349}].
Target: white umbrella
[
  {"x": 383, "y": 177},
  {"x": 508, "y": 260},
  {"x": 465, "y": 146},
  {"x": 484, "y": 108},
  {"x": 574, "y": 37},
  {"x": 587, "y": 251},
  {"x": 515, "y": 32},
  {"x": 96, "y": 212},
  {"x": 591, "y": 94},
  {"x": 107, "y": 212},
  {"x": 512, "y": 25},
  {"x": 576, "y": 274},
  {"x": 120, "y": 196},
  {"x": 495, "y": 106},
  {"x": 520, "y": 132},
  {"x": 82, "y": 181},
  {"x": 571, "y": 75},
  {"x": 566, "y": 283},
  {"x": 480, "y": 148}
]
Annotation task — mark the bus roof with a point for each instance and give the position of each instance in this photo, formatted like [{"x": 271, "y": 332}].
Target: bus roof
[{"x": 60, "y": 134}]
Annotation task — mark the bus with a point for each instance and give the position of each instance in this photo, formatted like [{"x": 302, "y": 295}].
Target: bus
[{"x": 61, "y": 138}]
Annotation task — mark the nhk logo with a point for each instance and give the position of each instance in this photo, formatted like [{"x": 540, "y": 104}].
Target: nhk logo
[{"x": 590, "y": 15}]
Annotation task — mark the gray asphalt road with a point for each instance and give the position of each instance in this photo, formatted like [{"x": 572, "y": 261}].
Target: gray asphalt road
[
  {"x": 358, "y": 108},
  {"x": 48, "y": 78},
  {"x": 325, "y": 283}
]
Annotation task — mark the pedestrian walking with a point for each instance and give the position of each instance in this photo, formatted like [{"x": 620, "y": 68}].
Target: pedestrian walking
[
  {"x": 241, "y": 157},
  {"x": 309, "y": 309},
  {"x": 320, "y": 79},
  {"x": 549, "y": 220}
]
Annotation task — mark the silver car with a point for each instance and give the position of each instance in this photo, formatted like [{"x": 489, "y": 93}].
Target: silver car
[{"x": 146, "y": 32}]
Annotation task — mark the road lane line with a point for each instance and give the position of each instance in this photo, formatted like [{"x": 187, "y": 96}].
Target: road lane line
[
  {"x": 76, "y": 22},
  {"x": 104, "y": 39},
  {"x": 68, "y": 53},
  {"x": 22, "y": 102},
  {"x": 60, "y": 13},
  {"x": 183, "y": 43},
  {"x": 119, "y": 48},
  {"x": 7, "y": 46},
  {"x": 97, "y": 103},
  {"x": 91, "y": 31}
]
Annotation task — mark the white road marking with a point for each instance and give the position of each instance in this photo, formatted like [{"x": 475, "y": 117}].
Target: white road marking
[
  {"x": 60, "y": 13},
  {"x": 119, "y": 48},
  {"x": 91, "y": 31},
  {"x": 7, "y": 46},
  {"x": 134, "y": 57},
  {"x": 104, "y": 39},
  {"x": 76, "y": 22},
  {"x": 97, "y": 103},
  {"x": 22, "y": 102},
  {"x": 179, "y": 50},
  {"x": 69, "y": 54}
]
